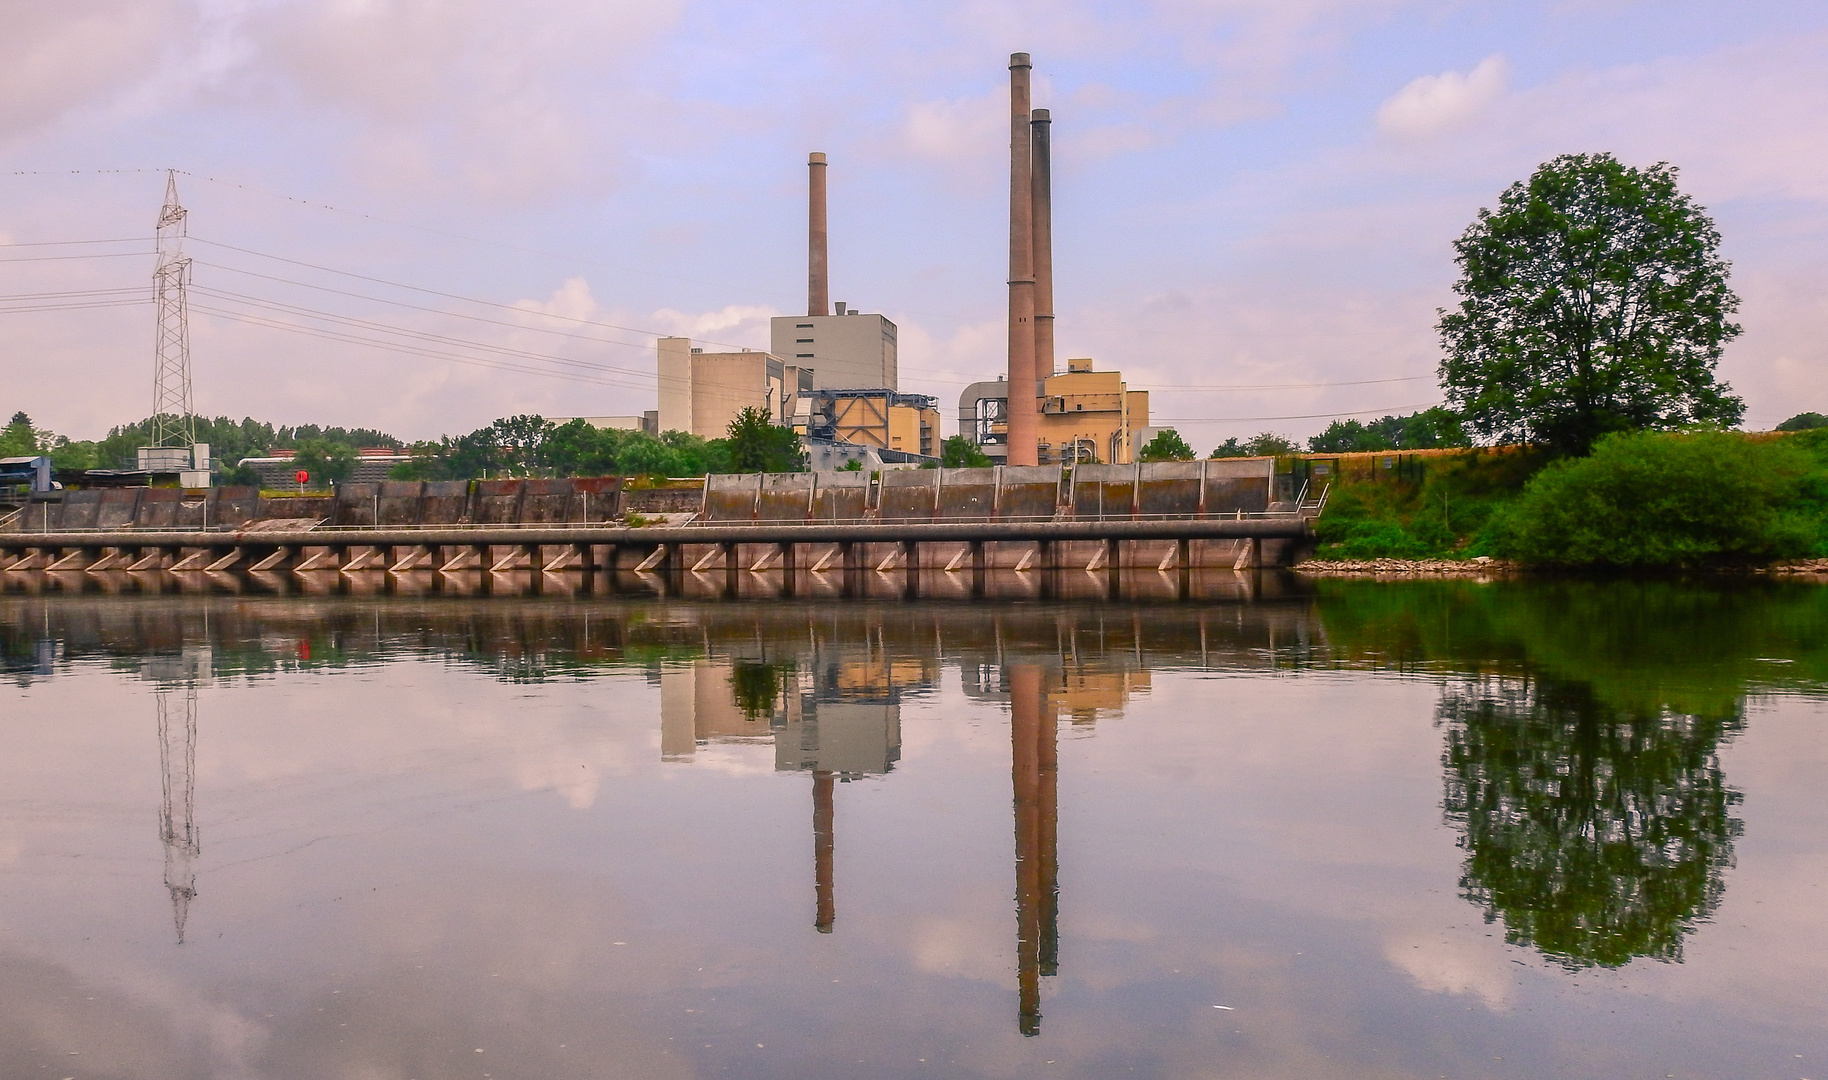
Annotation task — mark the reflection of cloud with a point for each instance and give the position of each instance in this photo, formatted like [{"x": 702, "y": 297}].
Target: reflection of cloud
[
  {"x": 1436, "y": 103},
  {"x": 967, "y": 948},
  {"x": 1453, "y": 967}
]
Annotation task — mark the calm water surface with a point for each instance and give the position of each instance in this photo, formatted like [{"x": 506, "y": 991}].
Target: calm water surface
[{"x": 1349, "y": 830}]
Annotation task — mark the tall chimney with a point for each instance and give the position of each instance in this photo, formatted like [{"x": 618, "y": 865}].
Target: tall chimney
[
  {"x": 1024, "y": 425},
  {"x": 1043, "y": 211},
  {"x": 818, "y": 285}
]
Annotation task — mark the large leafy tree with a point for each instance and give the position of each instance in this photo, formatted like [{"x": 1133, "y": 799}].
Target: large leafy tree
[{"x": 1593, "y": 300}]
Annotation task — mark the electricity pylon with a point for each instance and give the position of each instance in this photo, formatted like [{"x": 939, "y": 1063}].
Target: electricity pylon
[{"x": 174, "y": 421}]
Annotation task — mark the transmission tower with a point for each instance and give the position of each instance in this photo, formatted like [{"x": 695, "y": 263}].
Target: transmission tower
[
  {"x": 174, "y": 422},
  {"x": 178, "y": 814}
]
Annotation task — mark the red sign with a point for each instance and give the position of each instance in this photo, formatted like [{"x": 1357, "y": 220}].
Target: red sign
[{"x": 303, "y": 476}]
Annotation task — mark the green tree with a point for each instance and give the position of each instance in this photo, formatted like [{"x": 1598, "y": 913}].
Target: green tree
[
  {"x": 19, "y": 438},
  {"x": 1166, "y": 446},
  {"x": 327, "y": 462},
  {"x": 1262, "y": 444},
  {"x": 758, "y": 444},
  {"x": 1593, "y": 300},
  {"x": 1807, "y": 421},
  {"x": 1427, "y": 430},
  {"x": 959, "y": 452}
]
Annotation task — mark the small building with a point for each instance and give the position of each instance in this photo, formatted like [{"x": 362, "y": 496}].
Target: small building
[
  {"x": 846, "y": 349},
  {"x": 648, "y": 421},
  {"x": 278, "y": 471},
  {"x": 703, "y": 392},
  {"x": 1086, "y": 417}
]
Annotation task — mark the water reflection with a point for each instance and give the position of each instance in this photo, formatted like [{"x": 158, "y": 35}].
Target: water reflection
[
  {"x": 1578, "y": 734},
  {"x": 1595, "y": 834},
  {"x": 178, "y": 814}
]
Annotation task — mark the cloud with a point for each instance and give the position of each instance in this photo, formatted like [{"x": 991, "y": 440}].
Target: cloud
[
  {"x": 1434, "y": 104},
  {"x": 504, "y": 101},
  {"x": 958, "y": 129},
  {"x": 60, "y": 55}
]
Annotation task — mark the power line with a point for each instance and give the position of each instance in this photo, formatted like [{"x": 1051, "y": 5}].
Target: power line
[
  {"x": 72, "y": 243},
  {"x": 1155, "y": 421},
  {"x": 421, "y": 307},
  {"x": 95, "y": 255},
  {"x": 421, "y": 335},
  {"x": 75, "y": 306},
  {"x": 449, "y": 295},
  {"x": 403, "y": 348}
]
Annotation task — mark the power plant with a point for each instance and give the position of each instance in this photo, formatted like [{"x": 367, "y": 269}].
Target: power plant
[{"x": 833, "y": 373}]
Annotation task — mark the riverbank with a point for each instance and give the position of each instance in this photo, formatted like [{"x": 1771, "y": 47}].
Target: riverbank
[
  {"x": 1479, "y": 567},
  {"x": 1811, "y": 569}
]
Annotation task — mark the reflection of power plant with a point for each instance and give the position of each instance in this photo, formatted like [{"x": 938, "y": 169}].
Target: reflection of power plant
[
  {"x": 839, "y": 720},
  {"x": 1038, "y": 692}
]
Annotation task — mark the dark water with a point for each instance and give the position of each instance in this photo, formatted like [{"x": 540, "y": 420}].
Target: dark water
[{"x": 1394, "y": 830}]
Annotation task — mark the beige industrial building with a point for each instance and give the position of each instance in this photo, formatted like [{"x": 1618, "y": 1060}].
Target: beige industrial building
[
  {"x": 1083, "y": 417},
  {"x": 702, "y": 392}
]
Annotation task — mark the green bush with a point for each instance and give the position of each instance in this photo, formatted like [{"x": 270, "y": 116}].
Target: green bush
[{"x": 1651, "y": 500}]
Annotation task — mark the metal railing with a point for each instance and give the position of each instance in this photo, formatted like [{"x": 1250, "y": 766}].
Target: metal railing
[{"x": 695, "y": 523}]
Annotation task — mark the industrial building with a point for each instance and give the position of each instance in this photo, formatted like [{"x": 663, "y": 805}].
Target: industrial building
[
  {"x": 703, "y": 392},
  {"x": 880, "y": 420},
  {"x": 1082, "y": 417},
  {"x": 845, "y": 349}
]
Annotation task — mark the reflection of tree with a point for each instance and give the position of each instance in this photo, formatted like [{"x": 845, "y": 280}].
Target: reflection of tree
[
  {"x": 1597, "y": 835},
  {"x": 756, "y": 687}
]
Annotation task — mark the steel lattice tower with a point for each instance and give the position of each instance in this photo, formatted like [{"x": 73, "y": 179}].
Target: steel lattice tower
[{"x": 174, "y": 422}]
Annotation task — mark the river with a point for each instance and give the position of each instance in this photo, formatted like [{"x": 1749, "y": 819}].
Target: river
[{"x": 1278, "y": 829}]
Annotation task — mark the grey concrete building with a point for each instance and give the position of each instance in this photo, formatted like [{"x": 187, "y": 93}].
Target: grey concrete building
[{"x": 846, "y": 351}]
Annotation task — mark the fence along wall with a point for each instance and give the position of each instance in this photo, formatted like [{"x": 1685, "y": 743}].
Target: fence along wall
[{"x": 1002, "y": 493}]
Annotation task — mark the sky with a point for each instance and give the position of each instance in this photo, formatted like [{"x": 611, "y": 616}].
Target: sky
[{"x": 1255, "y": 200}]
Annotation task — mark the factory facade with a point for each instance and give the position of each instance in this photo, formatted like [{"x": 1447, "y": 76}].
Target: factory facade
[{"x": 1083, "y": 417}]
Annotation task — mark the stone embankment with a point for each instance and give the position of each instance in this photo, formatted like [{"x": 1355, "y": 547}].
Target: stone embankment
[
  {"x": 1807, "y": 568},
  {"x": 1480, "y": 567}
]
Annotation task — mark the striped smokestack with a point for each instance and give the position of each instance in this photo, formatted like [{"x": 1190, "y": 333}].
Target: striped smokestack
[
  {"x": 1024, "y": 425},
  {"x": 818, "y": 284},
  {"x": 1043, "y": 229}
]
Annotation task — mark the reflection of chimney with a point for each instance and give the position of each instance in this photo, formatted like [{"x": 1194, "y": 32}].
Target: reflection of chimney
[
  {"x": 1047, "y": 760},
  {"x": 1025, "y": 723},
  {"x": 1023, "y": 425},
  {"x": 1041, "y": 185},
  {"x": 818, "y": 284},
  {"x": 822, "y": 845}
]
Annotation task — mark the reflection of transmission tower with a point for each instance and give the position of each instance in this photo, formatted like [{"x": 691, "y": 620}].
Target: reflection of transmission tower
[
  {"x": 178, "y": 816},
  {"x": 174, "y": 423}
]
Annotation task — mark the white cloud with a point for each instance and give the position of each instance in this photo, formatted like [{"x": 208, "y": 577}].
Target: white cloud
[
  {"x": 60, "y": 55},
  {"x": 1436, "y": 103},
  {"x": 958, "y": 129}
]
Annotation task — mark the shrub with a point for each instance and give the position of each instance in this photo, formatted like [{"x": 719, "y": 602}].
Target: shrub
[{"x": 1650, "y": 500}]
